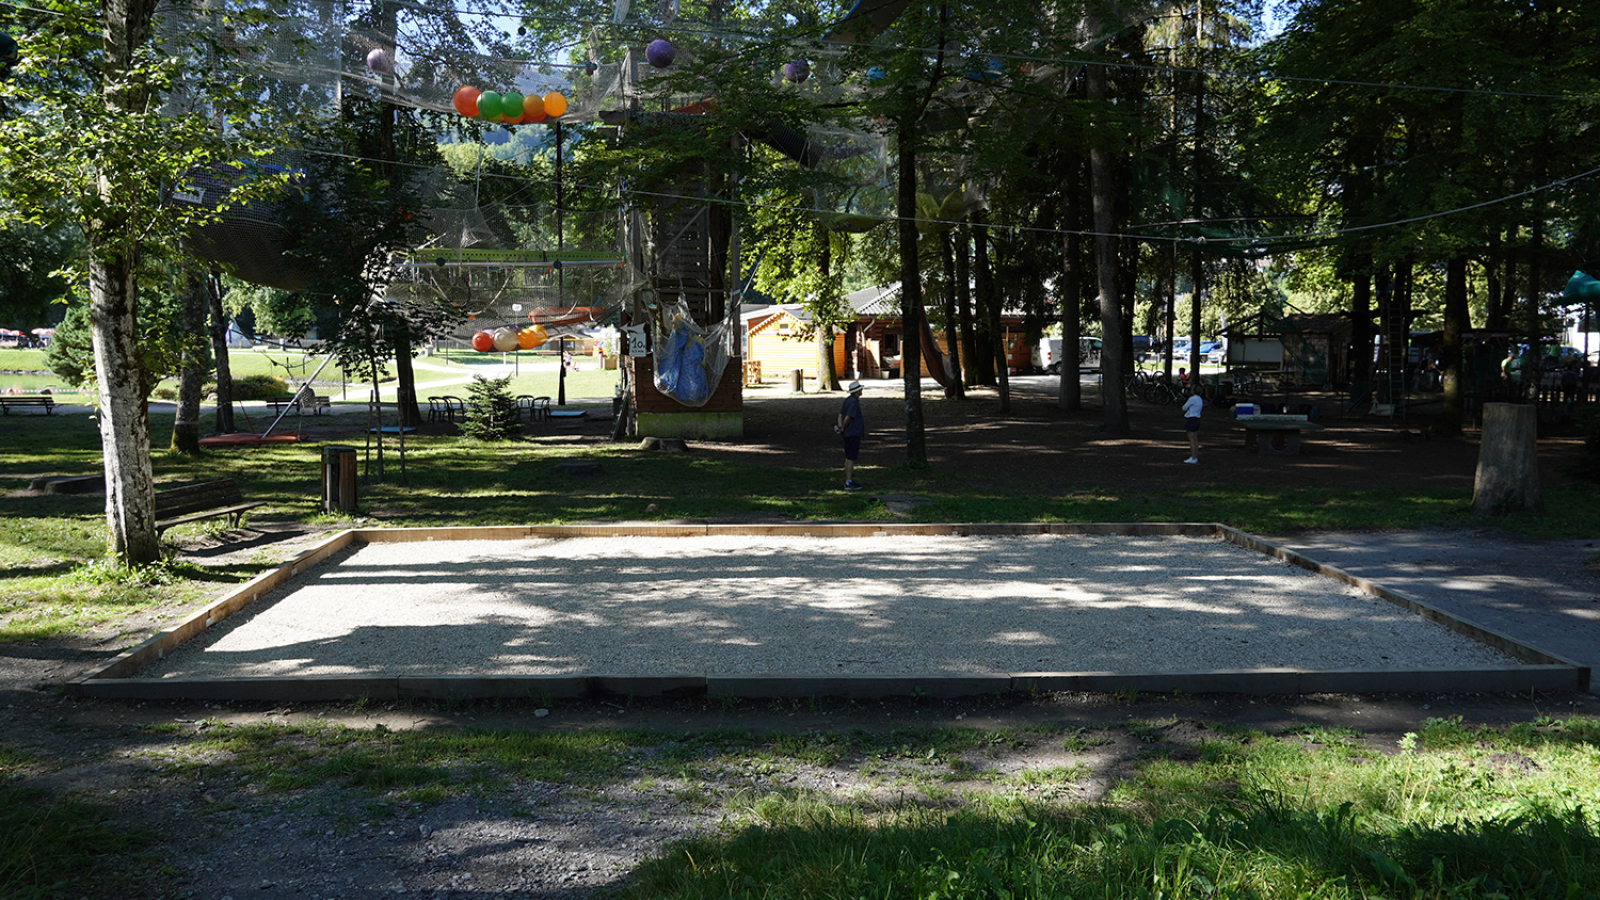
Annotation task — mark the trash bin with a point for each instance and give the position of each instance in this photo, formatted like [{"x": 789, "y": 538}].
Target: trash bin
[
  {"x": 338, "y": 479},
  {"x": 797, "y": 380}
]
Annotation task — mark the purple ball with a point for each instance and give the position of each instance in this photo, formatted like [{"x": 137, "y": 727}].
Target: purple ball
[
  {"x": 796, "y": 71},
  {"x": 660, "y": 53},
  {"x": 378, "y": 61}
]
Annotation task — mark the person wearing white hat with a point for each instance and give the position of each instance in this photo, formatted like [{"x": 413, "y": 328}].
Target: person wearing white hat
[{"x": 852, "y": 427}]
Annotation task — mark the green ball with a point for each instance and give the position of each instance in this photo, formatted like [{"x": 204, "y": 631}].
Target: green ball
[
  {"x": 511, "y": 104},
  {"x": 488, "y": 105}
]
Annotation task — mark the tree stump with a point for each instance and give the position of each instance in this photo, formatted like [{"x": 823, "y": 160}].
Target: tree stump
[{"x": 1508, "y": 462}]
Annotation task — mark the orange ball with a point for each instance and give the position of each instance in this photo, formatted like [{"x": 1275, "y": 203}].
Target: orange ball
[
  {"x": 533, "y": 107},
  {"x": 483, "y": 342},
  {"x": 554, "y": 104},
  {"x": 466, "y": 101},
  {"x": 527, "y": 339}
]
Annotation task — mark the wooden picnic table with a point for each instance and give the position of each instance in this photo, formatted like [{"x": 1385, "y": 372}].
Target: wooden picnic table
[{"x": 1275, "y": 435}]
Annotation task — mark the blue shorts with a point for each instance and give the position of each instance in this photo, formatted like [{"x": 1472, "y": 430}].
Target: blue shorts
[
  {"x": 852, "y": 447},
  {"x": 1191, "y": 423}
]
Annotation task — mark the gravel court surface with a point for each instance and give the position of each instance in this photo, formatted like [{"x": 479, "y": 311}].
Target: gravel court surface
[{"x": 813, "y": 606}]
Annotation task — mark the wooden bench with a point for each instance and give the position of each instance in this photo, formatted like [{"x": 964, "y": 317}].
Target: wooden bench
[
  {"x": 202, "y": 500},
  {"x": 6, "y": 403},
  {"x": 1275, "y": 435}
]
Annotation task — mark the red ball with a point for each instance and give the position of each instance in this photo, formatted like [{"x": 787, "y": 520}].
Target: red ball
[{"x": 483, "y": 342}]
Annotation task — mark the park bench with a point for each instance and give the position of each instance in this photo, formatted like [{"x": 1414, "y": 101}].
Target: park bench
[
  {"x": 201, "y": 500},
  {"x": 301, "y": 402},
  {"x": 6, "y": 403},
  {"x": 1275, "y": 435}
]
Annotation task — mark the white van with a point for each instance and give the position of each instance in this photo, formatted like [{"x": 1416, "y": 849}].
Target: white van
[{"x": 1048, "y": 356}]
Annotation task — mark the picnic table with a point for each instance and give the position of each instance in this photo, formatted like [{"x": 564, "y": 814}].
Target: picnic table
[{"x": 1275, "y": 435}]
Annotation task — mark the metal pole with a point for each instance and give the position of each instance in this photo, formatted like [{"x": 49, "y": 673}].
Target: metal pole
[{"x": 561, "y": 380}]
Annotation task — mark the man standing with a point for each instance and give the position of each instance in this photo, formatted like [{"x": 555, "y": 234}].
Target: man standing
[{"x": 851, "y": 427}]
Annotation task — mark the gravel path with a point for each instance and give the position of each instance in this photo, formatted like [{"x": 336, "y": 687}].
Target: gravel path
[{"x": 813, "y": 606}]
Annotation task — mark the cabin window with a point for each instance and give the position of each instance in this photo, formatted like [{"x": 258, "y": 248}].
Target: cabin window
[{"x": 786, "y": 328}]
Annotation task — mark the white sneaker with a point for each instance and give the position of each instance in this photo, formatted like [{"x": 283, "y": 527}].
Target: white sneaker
[{"x": 1192, "y": 460}]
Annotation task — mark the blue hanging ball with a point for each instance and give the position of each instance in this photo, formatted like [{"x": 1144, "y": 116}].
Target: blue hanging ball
[
  {"x": 876, "y": 74},
  {"x": 660, "y": 53}
]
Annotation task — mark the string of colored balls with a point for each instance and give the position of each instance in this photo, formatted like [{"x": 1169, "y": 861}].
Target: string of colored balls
[
  {"x": 504, "y": 340},
  {"x": 509, "y": 107}
]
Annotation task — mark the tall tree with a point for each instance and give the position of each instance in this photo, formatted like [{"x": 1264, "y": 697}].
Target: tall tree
[{"x": 106, "y": 166}]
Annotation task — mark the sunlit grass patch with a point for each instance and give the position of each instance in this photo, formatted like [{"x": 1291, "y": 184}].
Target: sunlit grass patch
[{"x": 1268, "y": 817}]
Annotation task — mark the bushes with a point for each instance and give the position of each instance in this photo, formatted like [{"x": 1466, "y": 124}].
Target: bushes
[{"x": 255, "y": 387}]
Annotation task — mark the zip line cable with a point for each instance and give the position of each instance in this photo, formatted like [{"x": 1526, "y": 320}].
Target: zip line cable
[{"x": 1152, "y": 238}]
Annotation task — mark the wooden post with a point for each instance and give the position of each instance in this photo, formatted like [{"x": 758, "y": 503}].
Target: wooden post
[{"x": 1508, "y": 461}]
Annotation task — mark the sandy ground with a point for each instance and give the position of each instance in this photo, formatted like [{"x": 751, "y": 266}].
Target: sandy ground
[{"x": 815, "y": 607}]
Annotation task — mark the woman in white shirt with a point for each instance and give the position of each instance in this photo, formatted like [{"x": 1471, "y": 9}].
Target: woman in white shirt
[{"x": 1191, "y": 420}]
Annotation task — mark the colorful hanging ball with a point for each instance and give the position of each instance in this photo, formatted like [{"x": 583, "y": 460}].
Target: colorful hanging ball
[
  {"x": 660, "y": 53},
  {"x": 483, "y": 342},
  {"x": 554, "y": 104},
  {"x": 876, "y": 74},
  {"x": 539, "y": 333},
  {"x": 526, "y": 339},
  {"x": 533, "y": 107},
  {"x": 489, "y": 105},
  {"x": 504, "y": 340},
  {"x": 796, "y": 70},
  {"x": 378, "y": 61},
  {"x": 511, "y": 105},
  {"x": 466, "y": 100}
]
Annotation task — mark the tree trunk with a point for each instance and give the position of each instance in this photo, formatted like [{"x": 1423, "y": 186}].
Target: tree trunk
[
  {"x": 1361, "y": 323},
  {"x": 409, "y": 414},
  {"x": 124, "y": 419},
  {"x": 1456, "y": 322},
  {"x": 1494, "y": 314},
  {"x": 1104, "y": 191},
  {"x": 192, "y": 375},
  {"x": 1532, "y": 365},
  {"x": 990, "y": 302},
  {"x": 219, "y": 354},
  {"x": 1071, "y": 390},
  {"x": 910, "y": 295},
  {"x": 972, "y": 373},
  {"x": 113, "y": 307},
  {"x": 952, "y": 341},
  {"x": 1508, "y": 462}
]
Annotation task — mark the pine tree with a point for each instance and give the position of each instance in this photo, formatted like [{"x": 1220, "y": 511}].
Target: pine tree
[{"x": 492, "y": 413}]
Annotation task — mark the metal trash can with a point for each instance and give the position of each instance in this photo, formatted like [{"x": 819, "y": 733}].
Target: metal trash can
[{"x": 338, "y": 479}]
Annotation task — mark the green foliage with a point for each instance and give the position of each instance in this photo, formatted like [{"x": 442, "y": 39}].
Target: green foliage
[
  {"x": 492, "y": 413},
  {"x": 28, "y": 283},
  {"x": 258, "y": 387}
]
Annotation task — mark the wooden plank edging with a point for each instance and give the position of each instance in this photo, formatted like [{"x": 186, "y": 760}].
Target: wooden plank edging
[{"x": 156, "y": 646}]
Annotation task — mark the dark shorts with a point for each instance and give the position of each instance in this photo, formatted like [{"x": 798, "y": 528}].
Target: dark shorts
[
  {"x": 852, "y": 447},
  {"x": 1191, "y": 423}
]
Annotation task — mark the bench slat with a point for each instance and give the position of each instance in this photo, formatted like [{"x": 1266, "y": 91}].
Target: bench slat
[{"x": 204, "y": 500}]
